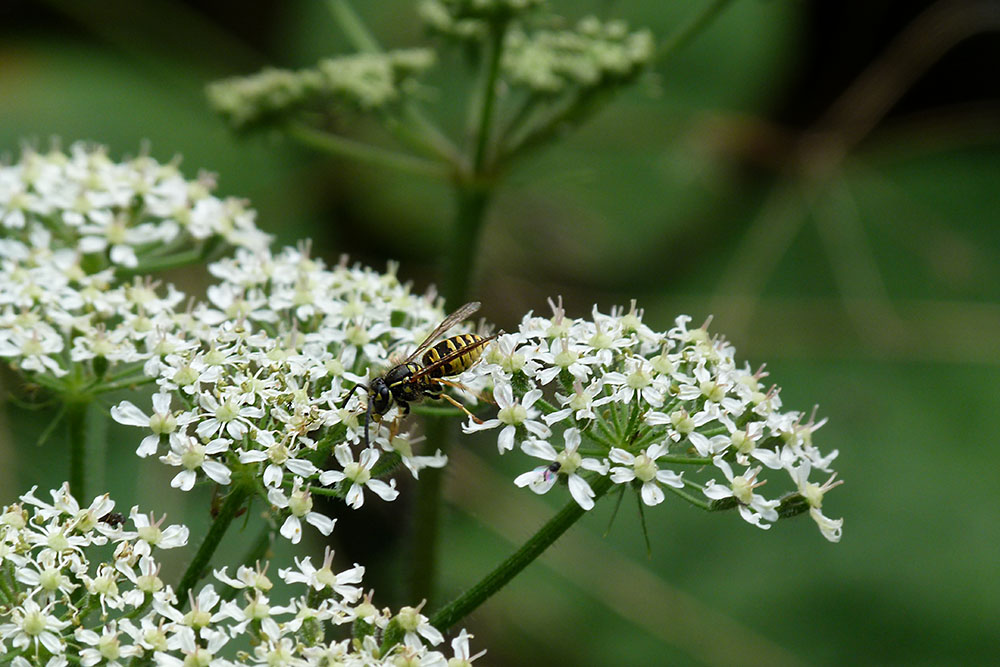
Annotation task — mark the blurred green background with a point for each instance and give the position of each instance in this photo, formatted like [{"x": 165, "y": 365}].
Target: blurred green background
[{"x": 824, "y": 180}]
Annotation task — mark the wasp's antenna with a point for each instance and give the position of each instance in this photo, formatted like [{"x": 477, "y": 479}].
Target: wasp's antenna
[
  {"x": 351, "y": 393},
  {"x": 368, "y": 411},
  {"x": 368, "y": 418}
]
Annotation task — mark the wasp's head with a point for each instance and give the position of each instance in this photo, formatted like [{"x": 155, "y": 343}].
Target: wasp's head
[{"x": 379, "y": 396}]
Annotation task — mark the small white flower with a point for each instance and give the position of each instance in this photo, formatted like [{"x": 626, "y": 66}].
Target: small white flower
[
  {"x": 300, "y": 503},
  {"x": 359, "y": 474},
  {"x": 638, "y": 382},
  {"x": 105, "y": 648},
  {"x": 32, "y": 625},
  {"x": 753, "y": 507},
  {"x": 580, "y": 403},
  {"x": 643, "y": 467},
  {"x": 566, "y": 462},
  {"x": 512, "y": 415},
  {"x": 228, "y": 414},
  {"x": 416, "y": 625},
  {"x": 342, "y": 583},
  {"x": 189, "y": 453},
  {"x": 150, "y": 534},
  {"x": 813, "y": 493},
  {"x": 162, "y": 421}
]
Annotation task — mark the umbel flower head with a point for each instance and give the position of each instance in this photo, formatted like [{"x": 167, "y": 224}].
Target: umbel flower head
[
  {"x": 71, "y": 225},
  {"x": 256, "y": 386},
  {"x": 80, "y": 585},
  {"x": 592, "y": 54},
  {"x": 653, "y": 411},
  {"x": 96, "y": 213}
]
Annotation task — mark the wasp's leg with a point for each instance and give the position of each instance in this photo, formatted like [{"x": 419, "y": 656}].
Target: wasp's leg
[
  {"x": 456, "y": 385},
  {"x": 404, "y": 409},
  {"x": 394, "y": 427},
  {"x": 461, "y": 407}
]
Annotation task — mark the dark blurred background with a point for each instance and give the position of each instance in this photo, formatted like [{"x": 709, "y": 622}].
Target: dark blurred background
[{"x": 823, "y": 178}]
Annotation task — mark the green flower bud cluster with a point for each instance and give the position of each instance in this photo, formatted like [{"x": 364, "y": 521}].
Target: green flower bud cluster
[
  {"x": 364, "y": 81},
  {"x": 594, "y": 53}
]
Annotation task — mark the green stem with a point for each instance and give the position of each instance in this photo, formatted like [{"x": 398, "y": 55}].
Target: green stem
[
  {"x": 76, "y": 426},
  {"x": 337, "y": 492},
  {"x": 412, "y": 127},
  {"x": 342, "y": 146},
  {"x": 357, "y": 34},
  {"x": 164, "y": 263},
  {"x": 427, "y": 516},
  {"x": 545, "y": 406},
  {"x": 471, "y": 212},
  {"x": 686, "y": 460},
  {"x": 611, "y": 437},
  {"x": 473, "y": 193},
  {"x": 694, "y": 25},
  {"x": 691, "y": 499},
  {"x": 520, "y": 559},
  {"x": 486, "y": 99},
  {"x": 573, "y": 112},
  {"x": 6, "y": 591},
  {"x": 435, "y": 411},
  {"x": 606, "y": 444},
  {"x": 127, "y": 384},
  {"x": 199, "y": 563}
]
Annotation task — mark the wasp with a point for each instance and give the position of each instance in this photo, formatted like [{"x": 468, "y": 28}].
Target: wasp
[{"x": 410, "y": 380}]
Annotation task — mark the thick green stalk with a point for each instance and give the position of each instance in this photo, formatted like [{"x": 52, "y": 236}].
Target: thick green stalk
[
  {"x": 472, "y": 202},
  {"x": 427, "y": 517},
  {"x": 486, "y": 101},
  {"x": 507, "y": 570},
  {"x": 199, "y": 563},
  {"x": 463, "y": 244},
  {"x": 76, "y": 427}
]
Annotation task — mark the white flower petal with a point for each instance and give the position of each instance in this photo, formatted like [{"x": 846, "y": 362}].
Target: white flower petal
[
  {"x": 581, "y": 492},
  {"x": 383, "y": 490},
  {"x": 126, "y": 413},
  {"x": 217, "y": 472},
  {"x": 323, "y": 524},
  {"x": 652, "y": 494}
]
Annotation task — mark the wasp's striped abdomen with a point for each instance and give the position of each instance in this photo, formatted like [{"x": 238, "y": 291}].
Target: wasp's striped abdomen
[{"x": 459, "y": 353}]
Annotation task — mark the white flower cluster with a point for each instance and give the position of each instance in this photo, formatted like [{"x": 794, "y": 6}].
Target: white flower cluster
[
  {"x": 594, "y": 54},
  {"x": 99, "y": 213},
  {"x": 365, "y": 81},
  {"x": 255, "y": 382},
  {"x": 54, "y": 316},
  {"x": 69, "y": 223},
  {"x": 639, "y": 405},
  {"x": 59, "y": 604}
]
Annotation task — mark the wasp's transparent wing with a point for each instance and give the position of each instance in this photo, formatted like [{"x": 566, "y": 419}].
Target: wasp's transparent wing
[
  {"x": 430, "y": 368},
  {"x": 459, "y": 315}
]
